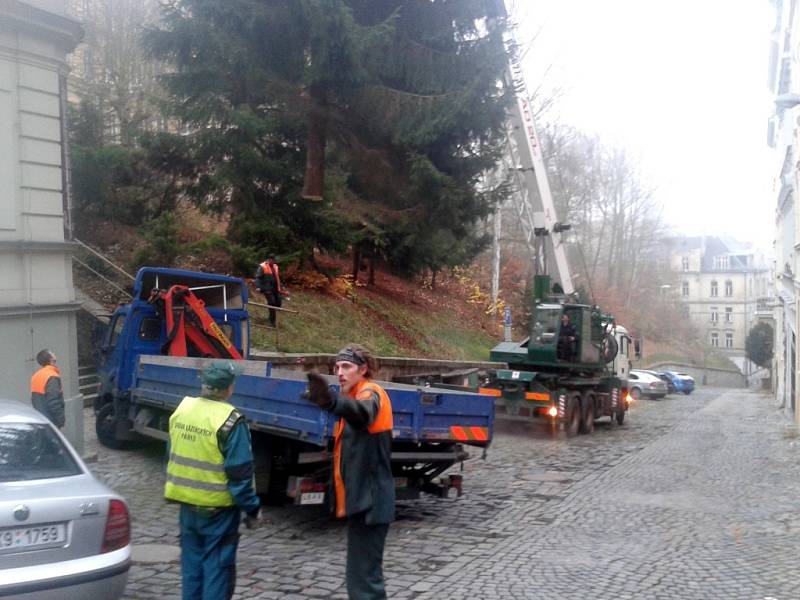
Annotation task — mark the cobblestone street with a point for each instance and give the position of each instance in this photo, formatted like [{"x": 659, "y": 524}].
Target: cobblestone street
[{"x": 693, "y": 497}]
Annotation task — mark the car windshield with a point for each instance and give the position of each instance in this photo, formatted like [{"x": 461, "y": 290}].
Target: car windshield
[{"x": 33, "y": 451}]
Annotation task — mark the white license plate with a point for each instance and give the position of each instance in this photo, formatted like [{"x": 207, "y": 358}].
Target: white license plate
[
  {"x": 19, "y": 538},
  {"x": 312, "y": 498}
]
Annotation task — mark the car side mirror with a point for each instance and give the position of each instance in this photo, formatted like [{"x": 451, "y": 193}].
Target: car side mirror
[{"x": 637, "y": 349}]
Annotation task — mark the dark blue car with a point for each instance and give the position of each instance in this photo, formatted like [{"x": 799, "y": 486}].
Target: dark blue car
[{"x": 681, "y": 381}]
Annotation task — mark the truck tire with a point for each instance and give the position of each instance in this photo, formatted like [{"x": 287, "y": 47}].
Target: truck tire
[
  {"x": 105, "y": 426},
  {"x": 620, "y": 416},
  {"x": 572, "y": 424},
  {"x": 587, "y": 412}
]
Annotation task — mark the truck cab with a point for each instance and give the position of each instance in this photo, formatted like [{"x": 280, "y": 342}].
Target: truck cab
[
  {"x": 572, "y": 369},
  {"x": 591, "y": 347},
  {"x": 138, "y": 328}
]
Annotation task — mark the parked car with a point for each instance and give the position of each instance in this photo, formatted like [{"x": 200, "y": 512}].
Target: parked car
[
  {"x": 641, "y": 383},
  {"x": 662, "y": 376},
  {"x": 683, "y": 383},
  {"x": 63, "y": 534}
]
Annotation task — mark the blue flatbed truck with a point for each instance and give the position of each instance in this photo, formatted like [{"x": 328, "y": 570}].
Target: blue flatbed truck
[{"x": 292, "y": 437}]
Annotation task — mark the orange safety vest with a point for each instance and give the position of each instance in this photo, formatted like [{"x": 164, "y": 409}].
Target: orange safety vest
[
  {"x": 383, "y": 422},
  {"x": 274, "y": 271},
  {"x": 40, "y": 378}
]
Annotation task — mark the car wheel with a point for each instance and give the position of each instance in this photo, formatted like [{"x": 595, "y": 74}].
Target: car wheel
[
  {"x": 687, "y": 392},
  {"x": 636, "y": 393}
]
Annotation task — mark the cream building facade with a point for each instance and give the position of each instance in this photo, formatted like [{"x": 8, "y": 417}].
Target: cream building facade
[
  {"x": 782, "y": 137},
  {"x": 725, "y": 287},
  {"x": 37, "y": 298}
]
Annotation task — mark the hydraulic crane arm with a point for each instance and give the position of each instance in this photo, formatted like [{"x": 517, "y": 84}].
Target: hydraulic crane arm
[
  {"x": 189, "y": 326},
  {"x": 525, "y": 162}
]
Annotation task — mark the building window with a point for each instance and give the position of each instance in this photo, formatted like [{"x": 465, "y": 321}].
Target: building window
[
  {"x": 685, "y": 289},
  {"x": 728, "y": 340},
  {"x": 714, "y": 314},
  {"x": 685, "y": 263},
  {"x": 720, "y": 262},
  {"x": 714, "y": 289},
  {"x": 715, "y": 339},
  {"x": 728, "y": 314},
  {"x": 729, "y": 288}
]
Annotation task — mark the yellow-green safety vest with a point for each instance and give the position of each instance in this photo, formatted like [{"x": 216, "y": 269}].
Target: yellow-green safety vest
[{"x": 196, "y": 471}]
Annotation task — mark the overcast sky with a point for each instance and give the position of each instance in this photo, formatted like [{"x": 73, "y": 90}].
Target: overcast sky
[{"x": 682, "y": 85}]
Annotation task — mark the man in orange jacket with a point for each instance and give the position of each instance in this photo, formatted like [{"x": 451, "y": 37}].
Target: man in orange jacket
[
  {"x": 47, "y": 395},
  {"x": 362, "y": 468},
  {"x": 268, "y": 282}
]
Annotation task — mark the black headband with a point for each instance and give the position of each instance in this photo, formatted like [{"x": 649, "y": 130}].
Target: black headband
[{"x": 351, "y": 355}]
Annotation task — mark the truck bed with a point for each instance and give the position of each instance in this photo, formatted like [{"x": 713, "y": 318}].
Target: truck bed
[{"x": 271, "y": 400}]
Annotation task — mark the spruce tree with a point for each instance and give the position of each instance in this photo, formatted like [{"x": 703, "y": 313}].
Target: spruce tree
[{"x": 385, "y": 112}]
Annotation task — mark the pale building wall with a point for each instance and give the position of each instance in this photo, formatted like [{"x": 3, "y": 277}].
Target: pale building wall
[
  {"x": 782, "y": 71},
  {"x": 734, "y": 308},
  {"x": 37, "y": 298}
]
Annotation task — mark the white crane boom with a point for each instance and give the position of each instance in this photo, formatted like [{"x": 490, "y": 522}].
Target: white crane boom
[{"x": 525, "y": 163}]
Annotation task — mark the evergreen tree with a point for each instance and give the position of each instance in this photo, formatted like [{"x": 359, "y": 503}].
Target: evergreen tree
[
  {"x": 759, "y": 343},
  {"x": 395, "y": 100}
]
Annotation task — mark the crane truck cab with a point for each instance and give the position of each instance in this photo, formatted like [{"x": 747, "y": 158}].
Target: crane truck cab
[
  {"x": 143, "y": 327},
  {"x": 570, "y": 388}
]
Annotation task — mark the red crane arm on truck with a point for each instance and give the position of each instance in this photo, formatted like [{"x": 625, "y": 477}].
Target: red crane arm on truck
[{"x": 188, "y": 323}]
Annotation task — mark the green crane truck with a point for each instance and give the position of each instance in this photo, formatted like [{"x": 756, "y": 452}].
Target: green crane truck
[{"x": 570, "y": 372}]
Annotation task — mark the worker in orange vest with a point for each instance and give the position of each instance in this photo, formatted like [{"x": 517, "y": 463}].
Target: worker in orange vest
[
  {"x": 268, "y": 282},
  {"x": 362, "y": 469},
  {"x": 47, "y": 395}
]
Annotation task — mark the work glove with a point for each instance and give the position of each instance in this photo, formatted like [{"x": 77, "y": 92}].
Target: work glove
[
  {"x": 318, "y": 391},
  {"x": 251, "y": 519}
]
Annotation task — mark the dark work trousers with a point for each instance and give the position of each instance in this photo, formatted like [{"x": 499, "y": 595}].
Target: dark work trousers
[
  {"x": 273, "y": 299},
  {"x": 208, "y": 552},
  {"x": 365, "y": 559}
]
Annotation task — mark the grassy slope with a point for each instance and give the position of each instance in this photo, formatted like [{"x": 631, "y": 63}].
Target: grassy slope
[{"x": 386, "y": 326}]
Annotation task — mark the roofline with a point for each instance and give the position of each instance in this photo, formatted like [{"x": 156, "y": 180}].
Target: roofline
[{"x": 42, "y": 22}]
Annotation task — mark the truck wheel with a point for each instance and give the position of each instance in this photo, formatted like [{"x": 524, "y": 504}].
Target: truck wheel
[
  {"x": 620, "y": 416},
  {"x": 573, "y": 423},
  {"x": 105, "y": 426},
  {"x": 587, "y": 413}
]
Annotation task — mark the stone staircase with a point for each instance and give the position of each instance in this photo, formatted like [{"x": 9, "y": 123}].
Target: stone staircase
[{"x": 87, "y": 383}]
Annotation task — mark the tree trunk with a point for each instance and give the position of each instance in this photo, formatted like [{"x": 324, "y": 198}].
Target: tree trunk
[
  {"x": 433, "y": 279},
  {"x": 371, "y": 280},
  {"x": 314, "y": 178},
  {"x": 356, "y": 263}
]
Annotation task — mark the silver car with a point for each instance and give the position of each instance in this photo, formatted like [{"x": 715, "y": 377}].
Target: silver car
[
  {"x": 642, "y": 383},
  {"x": 63, "y": 534}
]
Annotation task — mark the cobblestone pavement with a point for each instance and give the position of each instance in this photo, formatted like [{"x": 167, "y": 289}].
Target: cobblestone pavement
[{"x": 693, "y": 497}]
